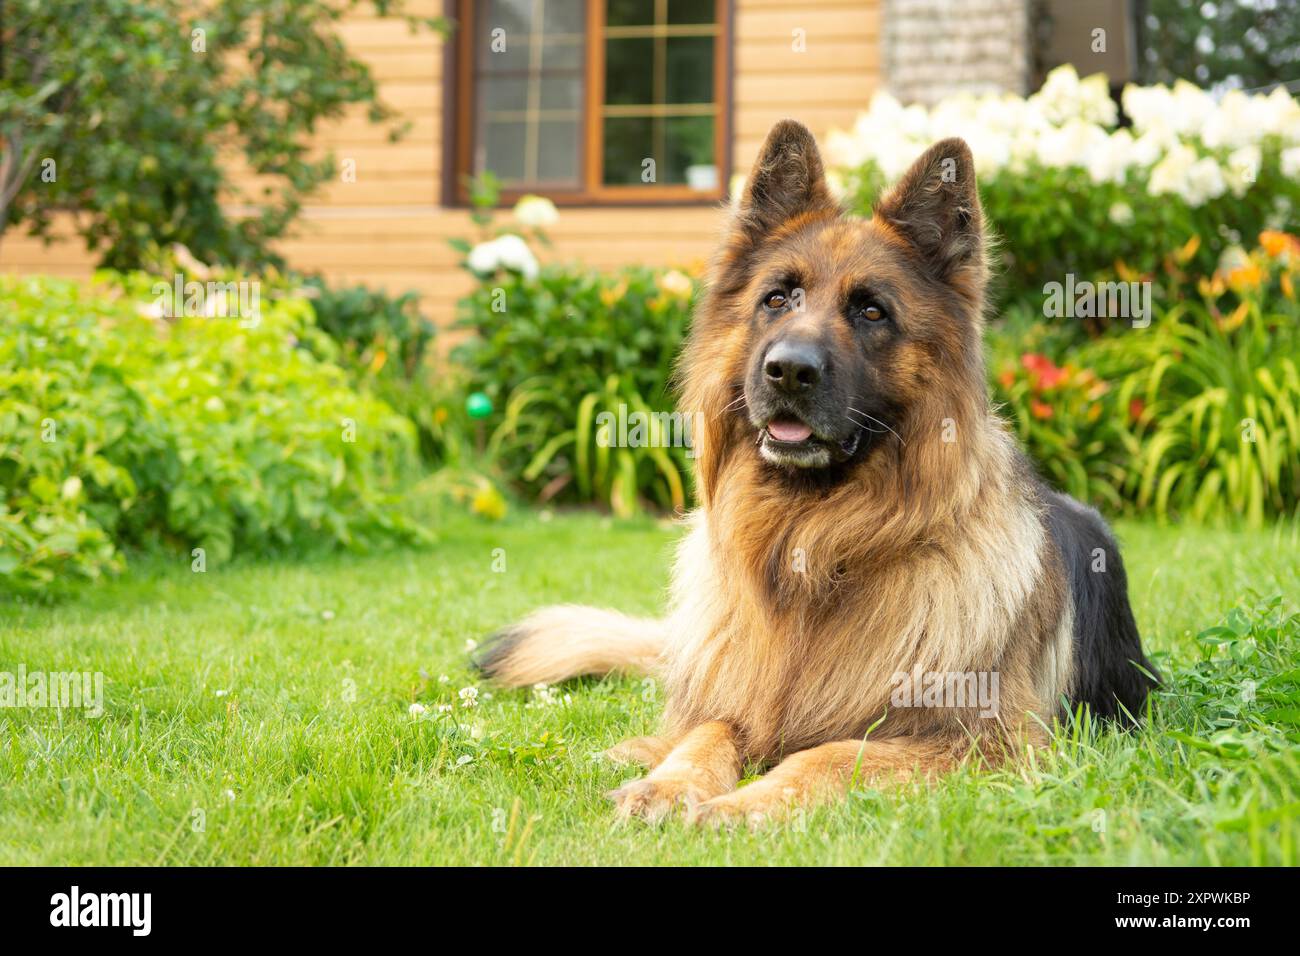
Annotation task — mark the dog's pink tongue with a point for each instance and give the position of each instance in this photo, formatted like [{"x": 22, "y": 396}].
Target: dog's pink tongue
[{"x": 791, "y": 430}]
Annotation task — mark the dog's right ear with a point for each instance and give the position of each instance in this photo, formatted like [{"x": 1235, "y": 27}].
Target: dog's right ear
[{"x": 788, "y": 181}]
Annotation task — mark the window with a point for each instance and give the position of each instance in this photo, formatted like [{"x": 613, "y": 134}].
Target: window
[{"x": 590, "y": 101}]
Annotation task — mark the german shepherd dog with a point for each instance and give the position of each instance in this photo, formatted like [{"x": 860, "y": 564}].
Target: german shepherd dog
[{"x": 871, "y": 550}]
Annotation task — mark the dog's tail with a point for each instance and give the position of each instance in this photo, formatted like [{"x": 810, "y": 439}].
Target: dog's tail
[{"x": 556, "y": 643}]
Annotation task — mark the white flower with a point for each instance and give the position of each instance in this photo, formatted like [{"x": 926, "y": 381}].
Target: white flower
[
  {"x": 1291, "y": 162},
  {"x": 1071, "y": 145},
  {"x": 1205, "y": 181},
  {"x": 1064, "y": 97},
  {"x": 1233, "y": 257},
  {"x": 1243, "y": 169},
  {"x": 416, "y": 710},
  {"x": 545, "y": 696},
  {"x": 676, "y": 283},
  {"x": 1110, "y": 160},
  {"x": 536, "y": 212},
  {"x": 1121, "y": 214},
  {"x": 470, "y": 643},
  {"x": 468, "y": 696},
  {"x": 504, "y": 252},
  {"x": 1170, "y": 174}
]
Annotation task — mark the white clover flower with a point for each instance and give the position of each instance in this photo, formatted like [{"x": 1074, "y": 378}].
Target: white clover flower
[
  {"x": 544, "y": 696},
  {"x": 536, "y": 212},
  {"x": 468, "y": 696},
  {"x": 416, "y": 710}
]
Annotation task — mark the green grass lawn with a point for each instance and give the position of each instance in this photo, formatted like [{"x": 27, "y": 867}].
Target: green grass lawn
[{"x": 261, "y": 714}]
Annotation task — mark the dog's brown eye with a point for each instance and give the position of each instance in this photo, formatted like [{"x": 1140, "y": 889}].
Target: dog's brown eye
[
  {"x": 774, "y": 300},
  {"x": 873, "y": 313}
]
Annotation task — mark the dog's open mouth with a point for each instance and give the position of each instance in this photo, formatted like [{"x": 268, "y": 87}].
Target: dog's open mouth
[
  {"x": 787, "y": 440},
  {"x": 788, "y": 431}
]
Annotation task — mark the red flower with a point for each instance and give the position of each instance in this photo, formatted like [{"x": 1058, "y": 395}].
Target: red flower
[
  {"x": 1135, "y": 409},
  {"x": 1043, "y": 373},
  {"x": 1040, "y": 409}
]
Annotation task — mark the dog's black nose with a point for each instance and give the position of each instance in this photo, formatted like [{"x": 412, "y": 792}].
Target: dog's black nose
[{"x": 794, "y": 366}]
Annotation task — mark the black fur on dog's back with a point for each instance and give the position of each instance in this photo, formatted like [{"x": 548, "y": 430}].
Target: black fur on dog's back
[{"x": 1110, "y": 670}]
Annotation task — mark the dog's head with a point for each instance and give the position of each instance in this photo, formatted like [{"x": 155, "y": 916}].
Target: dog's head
[{"x": 824, "y": 337}]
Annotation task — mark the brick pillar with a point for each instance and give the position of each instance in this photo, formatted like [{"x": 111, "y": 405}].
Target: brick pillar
[{"x": 933, "y": 48}]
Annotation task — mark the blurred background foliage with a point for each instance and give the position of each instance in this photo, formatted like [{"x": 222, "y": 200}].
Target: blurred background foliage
[{"x": 125, "y": 424}]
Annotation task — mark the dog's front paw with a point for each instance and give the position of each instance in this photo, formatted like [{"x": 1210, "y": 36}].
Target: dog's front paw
[
  {"x": 649, "y": 752},
  {"x": 653, "y": 798},
  {"x": 759, "y": 803}
]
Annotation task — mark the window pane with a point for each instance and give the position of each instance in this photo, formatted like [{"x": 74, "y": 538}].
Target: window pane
[
  {"x": 630, "y": 13},
  {"x": 681, "y": 147},
  {"x": 690, "y": 69},
  {"x": 560, "y": 93},
  {"x": 504, "y": 93},
  {"x": 629, "y": 71},
  {"x": 501, "y": 148},
  {"x": 690, "y": 11},
  {"x": 562, "y": 53},
  {"x": 659, "y": 93},
  {"x": 688, "y": 147},
  {"x": 627, "y": 145},
  {"x": 502, "y": 32},
  {"x": 557, "y": 161},
  {"x": 529, "y": 62}
]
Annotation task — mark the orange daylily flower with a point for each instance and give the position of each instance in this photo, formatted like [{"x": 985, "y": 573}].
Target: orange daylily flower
[
  {"x": 1184, "y": 255},
  {"x": 1212, "y": 287},
  {"x": 1277, "y": 243},
  {"x": 1245, "y": 277},
  {"x": 1234, "y": 319}
]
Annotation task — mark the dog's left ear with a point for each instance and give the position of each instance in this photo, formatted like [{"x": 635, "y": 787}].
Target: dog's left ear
[{"x": 936, "y": 208}]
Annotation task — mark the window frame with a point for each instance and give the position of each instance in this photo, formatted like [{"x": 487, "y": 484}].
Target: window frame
[{"x": 461, "y": 101}]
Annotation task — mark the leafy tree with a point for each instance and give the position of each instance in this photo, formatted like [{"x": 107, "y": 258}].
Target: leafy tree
[
  {"x": 1242, "y": 43},
  {"x": 127, "y": 113}
]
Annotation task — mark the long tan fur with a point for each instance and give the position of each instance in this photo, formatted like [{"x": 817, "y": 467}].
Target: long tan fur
[{"x": 794, "y": 608}]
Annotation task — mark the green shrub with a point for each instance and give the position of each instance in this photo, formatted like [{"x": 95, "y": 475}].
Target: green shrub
[
  {"x": 1197, "y": 416},
  {"x": 385, "y": 343},
  {"x": 374, "y": 330},
  {"x": 121, "y": 426},
  {"x": 1069, "y": 192},
  {"x": 552, "y": 352}
]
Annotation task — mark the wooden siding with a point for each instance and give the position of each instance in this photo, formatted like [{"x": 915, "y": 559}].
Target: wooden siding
[{"x": 387, "y": 228}]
